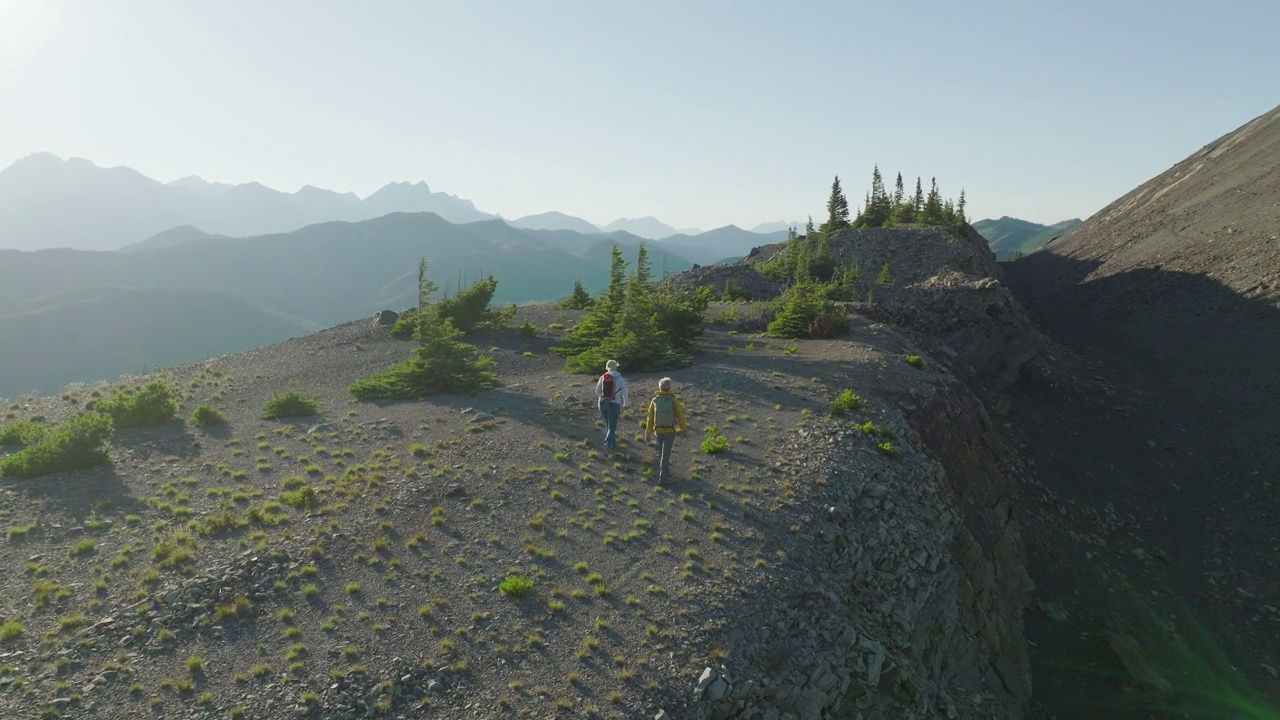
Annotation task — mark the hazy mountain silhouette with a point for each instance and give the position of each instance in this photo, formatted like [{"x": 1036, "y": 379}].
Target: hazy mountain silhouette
[
  {"x": 782, "y": 227},
  {"x": 320, "y": 275},
  {"x": 555, "y": 220},
  {"x": 1009, "y": 236},
  {"x": 716, "y": 245},
  {"x": 173, "y": 236},
  {"x": 48, "y": 202},
  {"x": 648, "y": 227}
]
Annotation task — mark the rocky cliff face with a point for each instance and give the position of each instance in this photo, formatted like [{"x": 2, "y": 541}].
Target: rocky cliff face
[
  {"x": 902, "y": 596},
  {"x": 945, "y": 287}
]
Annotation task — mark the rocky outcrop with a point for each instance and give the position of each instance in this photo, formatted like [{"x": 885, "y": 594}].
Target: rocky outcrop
[
  {"x": 902, "y": 595},
  {"x": 943, "y": 285},
  {"x": 747, "y": 281},
  {"x": 970, "y": 323}
]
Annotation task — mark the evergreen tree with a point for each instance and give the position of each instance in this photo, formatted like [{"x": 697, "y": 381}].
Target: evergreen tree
[
  {"x": 592, "y": 329},
  {"x": 917, "y": 200},
  {"x": 898, "y": 192},
  {"x": 440, "y": 364},
  {"x": 932, "y": 214},
  {"x": 837, "y": 208},
  {"x": 960, "y": 208},
  {"x": 579, "y": 299}
]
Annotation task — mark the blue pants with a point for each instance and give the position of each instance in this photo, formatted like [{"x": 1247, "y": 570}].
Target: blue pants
[{"x": 609, "y": 412}]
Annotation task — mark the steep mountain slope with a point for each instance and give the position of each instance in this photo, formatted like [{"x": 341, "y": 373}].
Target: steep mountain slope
[
  {"x": 1155, "y": 435},
  {"x": 47, "y": 202},
  {"x": 1011, "y": 236},
  {"x": 101, "y": 333}
]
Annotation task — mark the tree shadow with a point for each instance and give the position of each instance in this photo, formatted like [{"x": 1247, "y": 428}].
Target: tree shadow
[{"x": 97, "y": 492}]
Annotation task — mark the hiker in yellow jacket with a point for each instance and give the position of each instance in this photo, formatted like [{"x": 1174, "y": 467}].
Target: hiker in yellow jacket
[{"x": 666, "y": 418}]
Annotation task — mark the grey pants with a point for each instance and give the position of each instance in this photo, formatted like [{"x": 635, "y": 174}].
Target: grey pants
[{"x": 665, "y": 443}]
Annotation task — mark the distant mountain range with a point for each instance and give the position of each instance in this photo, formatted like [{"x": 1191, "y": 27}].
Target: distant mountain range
[
  {"x": 48, "y": 202},
  {"x": 1010, "y": 236},
  {"x": 76, "y": 315}
]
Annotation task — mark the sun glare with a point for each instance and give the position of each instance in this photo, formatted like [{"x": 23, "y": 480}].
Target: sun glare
[{"x": 25, "y": 25}]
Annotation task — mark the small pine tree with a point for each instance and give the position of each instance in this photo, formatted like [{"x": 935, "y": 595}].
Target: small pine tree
[
  {"x": 883, "y": 277},
  {"x": 837, "y": 208},
  {"x": 933, "y": 214},
  {"x": 579, "y": 299}
]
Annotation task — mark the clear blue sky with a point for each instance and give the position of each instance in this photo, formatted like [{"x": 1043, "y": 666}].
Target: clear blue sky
[{"x": 701, "y": 113}]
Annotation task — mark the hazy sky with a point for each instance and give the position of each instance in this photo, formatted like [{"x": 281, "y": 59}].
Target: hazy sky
[{"x": 701, "y": 113}]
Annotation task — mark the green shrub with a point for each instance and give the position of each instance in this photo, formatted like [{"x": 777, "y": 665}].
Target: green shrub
[
  {"x": 806, "y": 312},
  {"x": 883, "y": 277},
  {"x": 10, "y": 631},
  {"x": 733, "y": 292},
  {"x": 72, "y": 445},
  {"x": 406, "y": 325},
  {"x": 515, "y": 586},
  {"x": 914, "y": 361},
  {"x": 887, "y": 448},
  {"x": 290, "y": 404},
  {"x": 153, "y": 404},
  {"x": 871, "y": 429},
  {"x": 714, "y": 442},
  {"x": 529, "y": 330},
  {"x": 22, "y": 432},
  {"x": 725, "y": 317},
  {"x": 207, "y": 415},
  {"x": 470, "y": 306},
  {"x": 847, "y": 401}
]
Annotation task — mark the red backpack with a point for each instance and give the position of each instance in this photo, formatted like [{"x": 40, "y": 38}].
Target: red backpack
[{"x": 606, "y": 386}]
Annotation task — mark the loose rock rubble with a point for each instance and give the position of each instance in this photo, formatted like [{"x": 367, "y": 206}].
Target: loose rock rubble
[{"x": 888, "y": 606}]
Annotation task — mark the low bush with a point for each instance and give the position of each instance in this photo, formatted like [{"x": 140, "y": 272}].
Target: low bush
[
  {"x": 22, "y": 432},
  {"x": 155, "y": 403},
  {"x": 714, "y": 442},
  {"x": 406, "y": 325},
  {"x": 529, "y": 330},
  {"x": 206, "y": 415},
  {"x": 805, "y": 312},
  {"x": 290, "y": 404},
  {"x": 516, "y": 586},
  {"x": 72, "y": 445},
  {"x": 914, "y": 361},
  {"x": 847, "y": 400}
]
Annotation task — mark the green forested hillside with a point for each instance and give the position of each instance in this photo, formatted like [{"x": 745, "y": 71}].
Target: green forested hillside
[
  {"x": 1010, "y": 236},
  {"x": 318, "y": 276},
  {"x": 103, "y": 332}
]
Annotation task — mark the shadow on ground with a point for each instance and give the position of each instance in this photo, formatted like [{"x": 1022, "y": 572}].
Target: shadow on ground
[{"x": 1153, "y": 423}]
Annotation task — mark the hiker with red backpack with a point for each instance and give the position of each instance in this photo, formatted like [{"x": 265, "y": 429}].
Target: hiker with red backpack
[
  {"x": 611, "y": 392},
  {"x": 666, "y": 419}
]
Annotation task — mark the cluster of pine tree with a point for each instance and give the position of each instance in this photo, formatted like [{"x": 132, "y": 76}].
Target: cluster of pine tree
[
  {"x": 884, "y": 210},
  {"x": 815, "y": 279},
  {"x": 440, "y": 364},
  {"x": 644, "y": 326}
]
